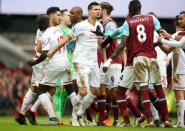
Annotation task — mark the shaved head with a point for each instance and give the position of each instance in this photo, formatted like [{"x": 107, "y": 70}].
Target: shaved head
[
  {"x": 76, "y": 14},
  {"x": 78, "y": 10}
]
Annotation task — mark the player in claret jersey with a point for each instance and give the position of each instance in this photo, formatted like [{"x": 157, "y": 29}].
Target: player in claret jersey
[
  {"x": 112, "y": 77},
  {"x": 138, "y": 34}
]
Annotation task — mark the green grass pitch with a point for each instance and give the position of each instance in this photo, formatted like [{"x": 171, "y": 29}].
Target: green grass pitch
[{"x": 9, "y": 124}]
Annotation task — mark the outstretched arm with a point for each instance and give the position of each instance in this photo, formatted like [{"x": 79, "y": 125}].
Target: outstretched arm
[
  {"x": 178, "y": 44},
  {"x": 165, "y": 48},
  {"x": 42, "y": 57}
]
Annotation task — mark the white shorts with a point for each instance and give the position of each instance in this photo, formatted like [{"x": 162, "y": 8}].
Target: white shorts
[
  {"x": 164, "y": 81},
  {"x": 112, "y": 76},
  {"x": 127, "y": 77},
  {"x": 36, "y": 74},
  {"x": 146, "y": 69},
  {"x": 55, "y": 76},
  {"x": 87, "y": 76},
  {"x": 181, "y": 84}
]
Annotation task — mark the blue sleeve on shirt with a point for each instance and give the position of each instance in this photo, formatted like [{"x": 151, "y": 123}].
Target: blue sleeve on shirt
[
  {"x": 110, "y": 28},
  {"x": 125, "y": 29},
  {"x": 157, "y": 24}
]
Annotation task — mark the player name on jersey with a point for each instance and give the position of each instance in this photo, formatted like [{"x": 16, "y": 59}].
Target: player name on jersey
[{"x": 139, "y": 19}]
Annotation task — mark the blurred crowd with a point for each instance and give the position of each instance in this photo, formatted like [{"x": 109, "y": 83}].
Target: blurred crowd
[{"x": 13, "y": 85}]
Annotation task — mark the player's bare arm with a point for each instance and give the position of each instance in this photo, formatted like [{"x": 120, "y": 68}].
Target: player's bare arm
[
  {"x": 116, "y": 53},
  {"x": 38, "y": 45}
]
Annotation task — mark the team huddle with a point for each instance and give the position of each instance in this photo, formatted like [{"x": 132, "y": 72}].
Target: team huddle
[{"x": 96, "y": 64}]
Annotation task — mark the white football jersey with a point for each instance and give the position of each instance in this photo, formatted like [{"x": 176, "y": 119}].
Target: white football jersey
[
  {"x": 161, "y": 56},
  {"x": 50, "y": 39},
  {"x": 87, "y": 43},
  {"x": 39, "y": 34},
  {"x": 181, "y": 62},
  {"x": 38, "y": 37}
]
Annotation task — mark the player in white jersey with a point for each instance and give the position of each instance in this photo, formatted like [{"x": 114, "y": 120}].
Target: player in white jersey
[
  {"x": 54, "y": 19},
  {"x": 85, "y": 58},
  {"x": 31, "y": 95},
  {"x": 179, "y": 67},
  {"x": 55, "y": 71},
  {"x": 37, "y": 68},
  {"x": 180, "y": 43}
]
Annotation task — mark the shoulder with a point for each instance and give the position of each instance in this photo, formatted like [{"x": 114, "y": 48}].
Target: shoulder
[
  {"x": 52, "y": 31},
  {"x": 81, "y": 24},
  {"x": 111, "y": 23},
  {"x": 154, "y": 19}
]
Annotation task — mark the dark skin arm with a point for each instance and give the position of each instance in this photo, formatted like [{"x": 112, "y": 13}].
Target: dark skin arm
[
  {"x": 119, "y": 48},
  {"x": 38, "y": 45},
  {"x": 116, "y": 52},
  {"x": 42, "y": 57}
]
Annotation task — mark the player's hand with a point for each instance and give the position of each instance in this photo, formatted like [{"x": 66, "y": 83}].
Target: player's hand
[
  {"x": 166, "y": 35},
  {"x": 106, "y": 65},
  {"x": 30, "y": 62},
  {"x": 160, "y": 38},
  {"x": 176, "y": 78},
  {"x": 98, "y": 31},
  {"x": 106, "y": 42}
]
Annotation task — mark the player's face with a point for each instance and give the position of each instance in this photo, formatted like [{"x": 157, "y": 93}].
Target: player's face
[
  {"x": 56, "y": 18},
  {"x": 73, "y": 15},
  {"x": 182, "y": 20},
  {"x": 95, "y": 12},
  {"x": 102, "y": 12},
  {"x": 66, "y": 17}
]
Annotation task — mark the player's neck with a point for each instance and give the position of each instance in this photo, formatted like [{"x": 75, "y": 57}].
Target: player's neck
[
  {"x": 77, "y": 21},
  {"x": 51, "y": 24},
  {"x": 105, "y": 18},
  {"x": 138, "y": 13},
  {"x": 91, "y": 20},
  {"x": 63, "y": 24}
]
